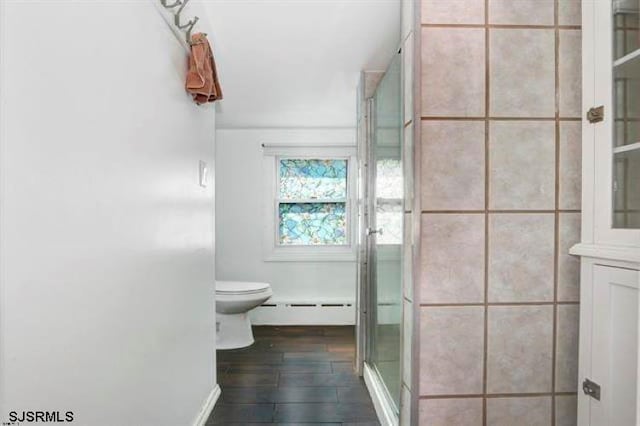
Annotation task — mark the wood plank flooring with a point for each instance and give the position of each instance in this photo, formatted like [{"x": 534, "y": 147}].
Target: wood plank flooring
[{"x": 293, "y": 375}]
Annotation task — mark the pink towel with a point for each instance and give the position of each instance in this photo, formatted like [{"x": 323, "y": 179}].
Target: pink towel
[{"x": 202, "y": 78}]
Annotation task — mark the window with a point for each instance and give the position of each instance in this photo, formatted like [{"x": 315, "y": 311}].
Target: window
[
  {"x": 312, "y": 201},
  {"x": 309, "y": 194}
]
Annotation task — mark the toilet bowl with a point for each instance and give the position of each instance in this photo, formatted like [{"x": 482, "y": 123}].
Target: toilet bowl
[{"x": 234, "y": 300}]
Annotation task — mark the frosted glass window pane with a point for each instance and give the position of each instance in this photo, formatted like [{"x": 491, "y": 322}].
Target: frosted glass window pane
[
  {"x": 309, "y": 179},
  {"x": 312, "y": 223}
]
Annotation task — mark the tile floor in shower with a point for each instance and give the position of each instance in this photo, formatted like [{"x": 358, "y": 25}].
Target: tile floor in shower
[{"x": 293, "y": 375}]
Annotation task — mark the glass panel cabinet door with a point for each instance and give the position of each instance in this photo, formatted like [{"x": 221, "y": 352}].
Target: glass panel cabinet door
[{"x": 626, "y": 114}]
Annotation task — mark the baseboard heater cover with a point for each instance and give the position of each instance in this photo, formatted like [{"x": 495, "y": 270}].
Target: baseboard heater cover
[{"x": 304, "y": 313}]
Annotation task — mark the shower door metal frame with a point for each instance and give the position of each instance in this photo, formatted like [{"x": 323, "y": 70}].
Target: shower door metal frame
[
  {"x": 364, "y": 306},
  {"x": 369, "y": 239},
  {"x": 368, "y": 287}
]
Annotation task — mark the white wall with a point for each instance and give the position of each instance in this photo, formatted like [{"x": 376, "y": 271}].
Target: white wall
[
  {"x": 240, "y": 219},
  {"x": 304, "y": 69},
  {"x": 106, "y": 252}
]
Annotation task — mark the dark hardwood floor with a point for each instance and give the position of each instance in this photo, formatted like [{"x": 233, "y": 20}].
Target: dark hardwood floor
[{"x": 293, "y": 375}]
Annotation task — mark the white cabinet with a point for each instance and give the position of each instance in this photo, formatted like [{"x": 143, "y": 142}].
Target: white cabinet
[
  {"x": 609, "y": 345},
  {"x": 610, "y": 241}
]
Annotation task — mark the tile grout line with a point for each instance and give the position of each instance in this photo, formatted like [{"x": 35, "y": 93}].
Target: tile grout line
[
  {"x": 492, "y": 304},
  {"x": 487, "y": 189},
  {"x": 504, "y": 26},
  {"x": 499, "y": 118},
  {"x": 496, "y": 395},
  {"x": 554, "y": 333},
  {"x": 500, "y": 211}
]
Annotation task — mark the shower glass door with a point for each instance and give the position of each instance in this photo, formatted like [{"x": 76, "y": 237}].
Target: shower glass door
[{"x": 385, "y": 230}]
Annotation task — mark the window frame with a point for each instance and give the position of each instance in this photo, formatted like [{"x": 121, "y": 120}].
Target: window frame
[{"x": 274, "y": 251}]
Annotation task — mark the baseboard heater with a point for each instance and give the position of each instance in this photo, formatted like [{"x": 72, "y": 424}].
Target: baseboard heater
[{"x": 304, "y": 313}]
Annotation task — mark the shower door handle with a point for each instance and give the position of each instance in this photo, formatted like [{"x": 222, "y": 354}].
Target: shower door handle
[{"x": 374, "y": 231}]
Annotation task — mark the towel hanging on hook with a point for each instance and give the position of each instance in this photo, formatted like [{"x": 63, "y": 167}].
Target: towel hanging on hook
[{"x": 202, "y": 77}]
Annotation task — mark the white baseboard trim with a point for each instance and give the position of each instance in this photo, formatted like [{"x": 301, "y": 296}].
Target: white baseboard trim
[
  {"x": 207, "y": 408},
  {"x": 386, "y": 414}
]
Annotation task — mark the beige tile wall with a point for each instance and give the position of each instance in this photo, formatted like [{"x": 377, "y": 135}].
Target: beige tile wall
[{"x": 500, "y": 196}]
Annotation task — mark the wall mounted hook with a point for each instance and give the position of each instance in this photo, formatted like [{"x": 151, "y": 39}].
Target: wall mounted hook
[
  {"x": 189, "y": 26},
  {"x": 170, "y": 6},
  {"x": 176, "y": 18}
]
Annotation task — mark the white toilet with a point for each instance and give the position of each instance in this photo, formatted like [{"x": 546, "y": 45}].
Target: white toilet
[{"x": 234, "y": 300}]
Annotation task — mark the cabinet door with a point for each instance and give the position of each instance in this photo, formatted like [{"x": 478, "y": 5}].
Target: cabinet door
[
  {"x": 611, "y": 31},
  {"x": 614, "y": 346}
]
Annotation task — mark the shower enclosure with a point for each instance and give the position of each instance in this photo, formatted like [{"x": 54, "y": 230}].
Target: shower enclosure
[{"x": 383, "y": 235}]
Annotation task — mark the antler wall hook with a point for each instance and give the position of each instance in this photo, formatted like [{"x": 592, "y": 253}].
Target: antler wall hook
[
  {"x": 176, "y": 17},
  {"x": 170, "y": 6}
]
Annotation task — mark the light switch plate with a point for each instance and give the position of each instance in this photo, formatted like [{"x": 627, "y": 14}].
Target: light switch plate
[{"x": 204, "y": 171}]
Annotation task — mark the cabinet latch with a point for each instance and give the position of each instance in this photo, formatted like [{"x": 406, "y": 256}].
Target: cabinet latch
[
  {"x": 591, "y": 388},
  {"x": 595, "y": 114}
]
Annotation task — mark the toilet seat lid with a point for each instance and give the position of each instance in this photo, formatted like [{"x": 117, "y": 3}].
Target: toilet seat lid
[{"x": 240, "y": 287}]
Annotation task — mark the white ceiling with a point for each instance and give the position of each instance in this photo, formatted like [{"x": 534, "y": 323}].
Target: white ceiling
[{"x": 296, "y": 63}]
